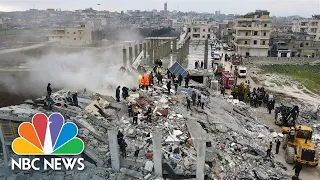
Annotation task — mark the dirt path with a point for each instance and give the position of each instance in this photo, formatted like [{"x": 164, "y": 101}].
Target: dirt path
[{"x": 307, "y": 172}]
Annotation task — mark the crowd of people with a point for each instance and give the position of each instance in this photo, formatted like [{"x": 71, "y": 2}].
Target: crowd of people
[{"x": 259, "y": 96}]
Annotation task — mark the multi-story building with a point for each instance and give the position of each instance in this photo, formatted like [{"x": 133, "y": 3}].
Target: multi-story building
[
  {"x": 252, "y": 33},
  {"x": 71, "y": 36},
  {"x": 201, "y": 29},
  {"x": 310, "y": 26}
]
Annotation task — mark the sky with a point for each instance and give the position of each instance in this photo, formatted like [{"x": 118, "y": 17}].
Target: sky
[{"x": 304, "y": 8}]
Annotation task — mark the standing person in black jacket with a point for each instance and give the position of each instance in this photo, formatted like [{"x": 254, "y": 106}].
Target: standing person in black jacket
[
  {"x": 49, "y": 90},
  {"x": 297, "y": 168},
  {"x": 169, "y": 86},
  {"x": 180, "y": 78}
]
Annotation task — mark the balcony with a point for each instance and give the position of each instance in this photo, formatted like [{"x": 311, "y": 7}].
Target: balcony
[
  {"x": 243, "y": 19},
  {"x": 257, "y": 46},
  {"x": 242, "y": 37},
  {"x": 248, "y": 28}
]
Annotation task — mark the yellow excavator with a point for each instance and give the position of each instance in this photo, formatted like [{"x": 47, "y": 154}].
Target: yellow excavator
[
  {"x": 240, "y": 91},
  {"x": 298, "y": 145}
]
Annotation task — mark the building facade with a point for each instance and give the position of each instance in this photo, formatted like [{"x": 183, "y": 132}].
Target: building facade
[
  {"x": 201, "y": 29},
  {"x": 71, "y": 36},
  {"x": 310, "y": 26},
  {"x": 252, "y": 34}
]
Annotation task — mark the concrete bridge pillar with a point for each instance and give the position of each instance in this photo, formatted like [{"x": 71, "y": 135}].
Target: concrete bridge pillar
[
  {"x": 135, "y": 51},
  {"x": 130, "y": 55},
  {"x": 206, "y": 54},
  {"x": 124, "y": 56},
  {"x": 144, "y": 50}
]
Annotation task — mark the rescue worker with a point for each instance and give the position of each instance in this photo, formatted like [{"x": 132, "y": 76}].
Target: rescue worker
[
  {"x": 118, "y": 94},
  {"x": 75, "y": 99},
  {"x": 231, "y": 67},
  {"x": 168, "y": 74},
  {"x": 194, "y": 97},
  {"x": 180, "y": 78},
  {"x": 277, "y": 146},
  {"x": 169, "y": 86},
  {"x": 201, "y": 64},
  {"x": 135, "y": 115},
  {"x": 199, "y": 100},
  {"x": 149, "y": 114},
  {"x": 159, "y": 77},
  {"x": 123, "y": 146},
  {"x": 125, "y": 93},
  {"x": 203, "y": 100},
  {"x": 269, "y": 149},
  {"x": 297, "y": 168},
  {"x": 146, "y": 80},
  {"x": 120, "y": 137},
  {"x": 188, "y": 103},
  {"x": 139, "y": 80},
  {"x": 223, "y": 90},
  {"x": 143, "y": 81},
  {"x": 292, "y": 132},
  {"x": 130, "y": 110},
  {"x": 151, "y": 78},
  {"x": 269, "y": 106},
  {"x": 49, "y": 90},
  {"x": 176, "y": 82},
  {"x": 160, "y": 63},
  {"x": 186, "y": 81}
]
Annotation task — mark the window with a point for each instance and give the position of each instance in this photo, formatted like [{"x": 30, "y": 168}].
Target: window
[
  {"x": 204, "y": 30},
  {"x": 301, "y": 44},
  {"x": 247, "y": 33},
  {"x": 74, "y": 32},
  {"x": 255, "y": 33},
  {"x": 203, "y": 36},
  {"x": 255, "y": 42},
  {"x": 264, "y": 34},
  {"x": 263, "y": 42},
  {"x": 307, "y": 44},
  {"x": 75, "y": 38},
  {"x": 265, "y": 25},
  {"x": 245, "y": 42}
]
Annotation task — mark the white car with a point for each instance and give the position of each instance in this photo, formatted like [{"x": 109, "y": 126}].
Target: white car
[{"x": 242, "y": 71}]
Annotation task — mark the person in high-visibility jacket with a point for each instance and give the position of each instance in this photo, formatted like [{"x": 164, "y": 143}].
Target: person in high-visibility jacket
[
  {"x": 142, "y": 82},
  {"x": 139, "y": 80},
  {"x": 146, "y": 78}
]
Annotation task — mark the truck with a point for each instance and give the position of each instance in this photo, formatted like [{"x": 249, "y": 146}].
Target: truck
[{"x": 228, "y": 79}]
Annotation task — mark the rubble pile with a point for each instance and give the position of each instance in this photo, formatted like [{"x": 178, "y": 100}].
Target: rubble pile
[{"x": 236, "y": 143}]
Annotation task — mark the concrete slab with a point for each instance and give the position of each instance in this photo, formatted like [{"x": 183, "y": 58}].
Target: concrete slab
[
  {"x": 132, "y": 173},
  {"x": 196, "y": 131}
]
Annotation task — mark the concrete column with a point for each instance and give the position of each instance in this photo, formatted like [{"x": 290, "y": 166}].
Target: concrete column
[
  {"x": 140, "y": 48},
  {"x": 171, "y": 59},
  {"x": 179, "y": 56},
  {"x": 136, "y": 51},
  {"x": 206, "y": 54},
  {"x": 157, "y": 153},
  {"x": 174, "y": 45},
  {"x": 124, "y": 55},
  {"x": 114, "y": 149},
  {"x": 151, "y": 56},
  {"x": 130, "y": 55},
  {"x": 144, "y": 50},
  {"x": 201, "y": 152},
  {"x": 4, "y": 150}
]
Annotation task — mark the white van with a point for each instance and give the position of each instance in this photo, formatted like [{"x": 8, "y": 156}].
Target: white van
[{"x": 242, "y": 71}]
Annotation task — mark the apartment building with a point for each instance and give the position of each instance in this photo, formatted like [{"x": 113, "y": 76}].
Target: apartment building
[
  {"x": 71, "y": 36},
  {"x": 252, "y": 33},
  {"x": 310, "y": 26},
  {"x": 201, "y": 29}
]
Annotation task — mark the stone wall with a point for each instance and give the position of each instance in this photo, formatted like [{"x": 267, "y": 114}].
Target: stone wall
[{"x": 280, "y": 60}]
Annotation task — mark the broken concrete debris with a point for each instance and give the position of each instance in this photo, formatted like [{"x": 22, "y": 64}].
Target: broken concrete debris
[{"x": 235, "y": 141}]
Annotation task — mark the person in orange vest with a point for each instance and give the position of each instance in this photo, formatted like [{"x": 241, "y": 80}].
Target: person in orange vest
[
  {"x": 146, "y": 80},
  {"x": 142, "y": 82}
]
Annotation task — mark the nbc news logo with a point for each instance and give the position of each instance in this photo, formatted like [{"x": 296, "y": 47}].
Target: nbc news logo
[{"x": 47, "y": 136}]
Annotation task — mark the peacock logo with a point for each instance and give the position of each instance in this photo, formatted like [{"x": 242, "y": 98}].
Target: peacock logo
[{"x": 48, "y": 136}]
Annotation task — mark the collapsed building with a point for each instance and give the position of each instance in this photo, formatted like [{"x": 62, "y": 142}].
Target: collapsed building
[{"x": 232, "y": 140}]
